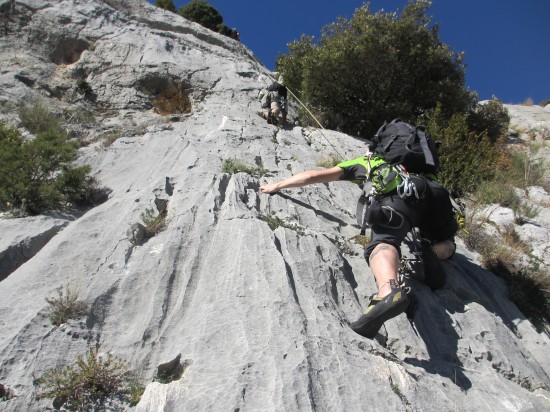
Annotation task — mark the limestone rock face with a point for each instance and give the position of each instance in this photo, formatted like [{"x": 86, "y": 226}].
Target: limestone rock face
[
  {"x": 23, "y": 238},
  {"x": 245, "y": 297},
  {"x": 530, "y": 122}
]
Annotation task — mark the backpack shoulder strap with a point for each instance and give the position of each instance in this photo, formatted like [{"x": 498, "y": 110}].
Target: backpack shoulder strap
[{"x": 428, "y": 156}]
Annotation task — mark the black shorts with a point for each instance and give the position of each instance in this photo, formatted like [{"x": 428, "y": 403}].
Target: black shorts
[{"x": 433, "y": 215}]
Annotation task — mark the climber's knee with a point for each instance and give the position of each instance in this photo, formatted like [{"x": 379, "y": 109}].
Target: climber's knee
[{"x": 444, "y": 249}]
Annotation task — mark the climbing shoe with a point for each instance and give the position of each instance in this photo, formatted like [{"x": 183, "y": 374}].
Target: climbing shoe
[
  {"x": 380, "y": 310},
  {"x": 434, "y": 275}
]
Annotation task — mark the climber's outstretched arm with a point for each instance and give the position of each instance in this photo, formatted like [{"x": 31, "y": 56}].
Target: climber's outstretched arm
[{"x": 305, "y": 178}]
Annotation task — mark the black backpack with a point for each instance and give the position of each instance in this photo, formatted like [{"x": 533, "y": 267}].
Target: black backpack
[
  {"x": 399, "y": 142},
  {"x": 279, "y": 88}
]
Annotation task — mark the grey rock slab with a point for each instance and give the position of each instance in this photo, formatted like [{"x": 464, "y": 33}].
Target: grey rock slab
[
  {"x": 23, "y": 238},
  {"x": 532, "y": 122}
]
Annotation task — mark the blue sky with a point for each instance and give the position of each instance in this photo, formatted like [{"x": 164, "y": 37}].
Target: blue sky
[{"x": 506, "y": 42}]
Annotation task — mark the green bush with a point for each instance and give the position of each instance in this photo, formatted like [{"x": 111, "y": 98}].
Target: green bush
[
  {"x": 522, "y": 169},
  {"x": 203, "y": 13},
  {"x": 38, "y": 174},
  {"x": 37, "y": 117},
  {"x": 153, "y": 222},
  {"x": 523, "y": 212},
  {"x": 495, "y": 191},
  {"x": 66, "y": 306},
  {"x": 375, "y": 67},
  {"x": 293, "y": 64},
  {"x": 518, "y": 170},
  {"x": 466, "y": 158},
  {"x": 83, "y": 87},
  {"x": 90, "y": 384},
  {"x": 166, "y": 5},
  {"x": 6, "y": 393},
  {"x": 272, "y": 221},
  {"x": 77, "y": 115},
  {"x": 491, "y": 118},
  {"x": 233, "y": 165}
]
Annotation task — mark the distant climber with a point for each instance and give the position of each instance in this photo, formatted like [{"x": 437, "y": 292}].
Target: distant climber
[
  {"x": 397, "y": 202},
  {"x": 234, "y": 34},
  {"x": 275, "y": 104}
]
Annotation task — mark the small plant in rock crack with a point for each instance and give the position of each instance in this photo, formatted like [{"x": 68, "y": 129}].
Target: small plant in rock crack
[
  {"x": 234, "y": 165},
  {"x": 361, "y": 240},
  {"x": 92, "y": 383},
  {"x": 66, "y": 306},
  {"x": 329, "y": 161},
  {"x": 525, "y": 382},
  {"x": 395, "y": 389},
  {"x": 109, "y": 137},
  {"x": 523, "y": 212},
  {"x": 272, "y": 221},
  {"x": 6, "y": 393},
  {"x": 135, "y": 390},
  {"x": 153, "y": 222},
  {"x": 83, "y": 87}
]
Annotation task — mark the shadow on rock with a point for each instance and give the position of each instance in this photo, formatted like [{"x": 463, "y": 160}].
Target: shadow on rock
[
  {"x": 438, "y": 330},
  {"x": 435, "y": 324},
  {"x": 318, "y": 212}
]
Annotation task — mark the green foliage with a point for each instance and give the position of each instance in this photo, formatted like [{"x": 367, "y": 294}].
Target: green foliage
[
  {"x": 362, "y": 240},
  {"x": 109, "y": 137},
  {"x": 496, "y": 191},
  {"x": 491, "y": 118},
  {"x": 466, "y": 158},
  {"x": 203, "y": 13},
  {"x": 518, "y": 170},
  {"x": 233, "y": 165},
  {"x": 329, "y": 161},
  {"x": 83, "y": 87},
  {"x": 135, "y": 390},
  {"x": 374, "y": 67},
  {"x": 166, "y": 5},
  {"x": 293, "y": 63},
  {"x": 66, "y": 306},
  {"x": 544, "y": 103},
  {"x": 90, "y": 384},
  {"x": 523, "y": 212},
  {"x": 272, "y": 221},
  {"x": 37, "y": 117},
  {"x": 154, "y": 223},
  {"x": 77, "y": 115},
  {"x": 523, "y": 169},
  {"x": 38, "y": 174},
  {"x": 6, "y": 393}
]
